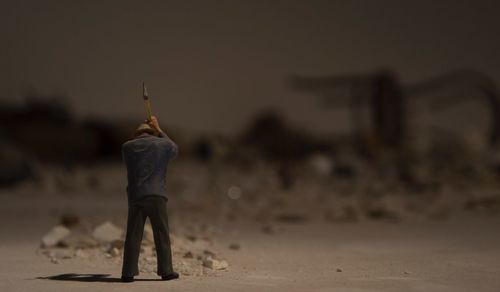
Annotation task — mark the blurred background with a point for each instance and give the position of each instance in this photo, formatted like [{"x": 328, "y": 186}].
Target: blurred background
[
  {"x": 289, "y": 115},
  {"x": 272, "y": 98}
]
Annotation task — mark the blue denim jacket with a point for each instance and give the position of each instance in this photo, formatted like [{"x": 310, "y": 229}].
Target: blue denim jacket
[{"x": 147, "y": 158}]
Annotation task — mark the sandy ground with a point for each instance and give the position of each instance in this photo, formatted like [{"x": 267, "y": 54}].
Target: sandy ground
[{"x": 459, "y": 254}]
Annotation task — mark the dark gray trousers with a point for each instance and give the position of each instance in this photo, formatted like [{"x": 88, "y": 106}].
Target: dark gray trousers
[{"x": 155, "y": 208}]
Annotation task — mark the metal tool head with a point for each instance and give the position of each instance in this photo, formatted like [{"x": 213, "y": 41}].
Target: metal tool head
[{"x": 147, "y": 102}]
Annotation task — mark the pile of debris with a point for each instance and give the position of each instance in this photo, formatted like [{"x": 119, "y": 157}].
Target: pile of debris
[
  {"x": 325, "y": 188},
  {"x": 72, "y": 240}
]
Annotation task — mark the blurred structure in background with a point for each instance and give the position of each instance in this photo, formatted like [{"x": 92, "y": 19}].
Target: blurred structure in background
[
  {"x": 393, "y": 122},
  {"x": 397, "y": 148},
  {"x": 380, "y": 105},
  {"x": 43, "y": 130}
]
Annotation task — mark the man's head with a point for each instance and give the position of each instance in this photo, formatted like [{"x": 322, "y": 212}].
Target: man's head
[{"x": 144, "y": 129}]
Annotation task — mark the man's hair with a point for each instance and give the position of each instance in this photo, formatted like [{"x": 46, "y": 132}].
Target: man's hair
[{"x": 144, "y": 128}]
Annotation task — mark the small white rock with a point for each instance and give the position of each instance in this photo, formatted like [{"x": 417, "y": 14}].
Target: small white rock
[
  {"x": 80, "y": 253},
  {"x": 114, "y": 251},
  {"x": 107, "y": 232},
  {"x": 54, "y": 236},
  {"x": 215, "y": 264}
]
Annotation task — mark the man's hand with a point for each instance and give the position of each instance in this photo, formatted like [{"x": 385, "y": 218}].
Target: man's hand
[{"x": 154, "y": 124}]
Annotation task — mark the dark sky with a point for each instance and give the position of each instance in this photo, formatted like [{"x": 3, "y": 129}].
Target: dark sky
[{"x": 210, "y": 65}]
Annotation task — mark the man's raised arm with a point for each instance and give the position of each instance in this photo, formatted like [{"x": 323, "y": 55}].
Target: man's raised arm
[{"x": 156, "y": 126}]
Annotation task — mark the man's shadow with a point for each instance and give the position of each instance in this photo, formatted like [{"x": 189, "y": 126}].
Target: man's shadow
[{"x": 89, "y": 278}]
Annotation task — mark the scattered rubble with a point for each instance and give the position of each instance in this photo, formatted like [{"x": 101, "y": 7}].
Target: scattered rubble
[
  {"x": 80, "y": 253},
  {"x": 86, "y": 243},
  {"x": 55, "y": 236},
  {"x": 107, "y": 232},
  {"x": 215, "y": 264},
  {"x": 113, "y": 252},
  {"x": 192, "y": 255},
  {"x": 270, "y": 191}
]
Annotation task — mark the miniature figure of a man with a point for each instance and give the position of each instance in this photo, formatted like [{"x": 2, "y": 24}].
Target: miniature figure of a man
[{"x": 147, "y": 156}]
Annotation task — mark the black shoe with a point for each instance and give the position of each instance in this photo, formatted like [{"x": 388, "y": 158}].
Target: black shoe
[
  {"x": 127, "y": 279},
  {"x": 170, "y": 276}
]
